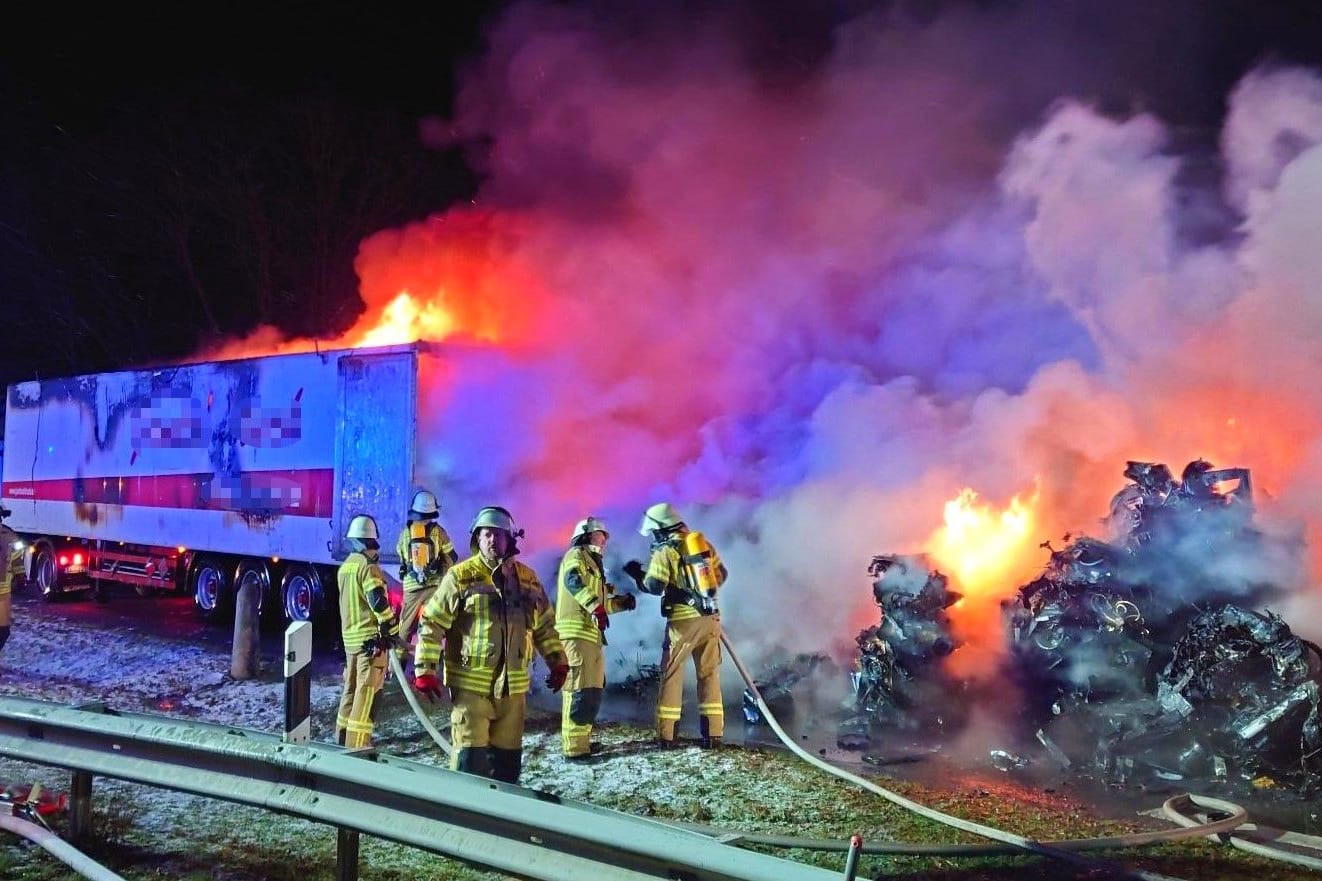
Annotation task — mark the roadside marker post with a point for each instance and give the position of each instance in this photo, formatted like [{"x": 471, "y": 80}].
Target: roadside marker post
[{"x": 298, "y": 682}]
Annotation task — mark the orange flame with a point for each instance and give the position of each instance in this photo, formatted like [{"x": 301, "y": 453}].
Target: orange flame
[
  {"x": 452, "y": 277},
  {"x": 988, "y": 555},
  {"x": 406, "y": 320}
]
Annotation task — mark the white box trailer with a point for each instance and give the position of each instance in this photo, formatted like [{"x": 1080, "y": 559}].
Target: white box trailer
[{"x": 204, "y": 477}]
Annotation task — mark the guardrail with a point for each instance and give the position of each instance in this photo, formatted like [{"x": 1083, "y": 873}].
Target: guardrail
[{"x": 520, "y": 832}]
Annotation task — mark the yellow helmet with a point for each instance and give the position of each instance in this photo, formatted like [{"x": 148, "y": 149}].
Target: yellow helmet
[{"x": 659, "y": 518}]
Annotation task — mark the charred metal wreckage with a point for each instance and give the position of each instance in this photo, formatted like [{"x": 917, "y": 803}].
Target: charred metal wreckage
[
  {"x": 899, "y": 681},
  {"x": 1137, "y": 659},
  {"x": 1140, "y": 658}
]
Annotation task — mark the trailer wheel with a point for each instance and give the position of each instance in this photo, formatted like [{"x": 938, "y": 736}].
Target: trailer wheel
[
  {"x": 254, "y": 573},
  {"x": 45, "y": 573},
  {"x": 211, "y": 590},
  {"x": 301, "y": 593}
]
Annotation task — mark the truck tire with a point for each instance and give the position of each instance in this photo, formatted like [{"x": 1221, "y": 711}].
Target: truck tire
[
  {"x": 212, "y": 593},
  {"x": 301, "y": 593},
  {"x": 253, "y": 572},
  {"x": 45, "y": 573}
]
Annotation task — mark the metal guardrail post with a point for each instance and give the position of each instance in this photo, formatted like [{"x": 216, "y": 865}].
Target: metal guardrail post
[
  {"x": 346, "y": 855},
  {"x": 506, "y": 829},
  {"x": 298, "y": 682},
  {"x": 851, "y": 861},
  {"x": 80, "y": 807}
]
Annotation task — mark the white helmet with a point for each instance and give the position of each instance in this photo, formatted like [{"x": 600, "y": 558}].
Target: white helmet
[
  {"x": 586, "y": 528},
  {"x": 659, "y": 517},
  {"x": 362, "y": 527},
  {"x": 424, "y": 503}
]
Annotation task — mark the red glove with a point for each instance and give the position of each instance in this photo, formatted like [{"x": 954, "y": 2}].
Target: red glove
[
  {"x": 600, "y": 614},
  {"x": 559, "y": 673},
  {"x": 428, "y": 686}
]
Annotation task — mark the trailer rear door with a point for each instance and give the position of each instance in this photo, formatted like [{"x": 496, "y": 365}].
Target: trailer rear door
[{"x": 375, "y": 444}]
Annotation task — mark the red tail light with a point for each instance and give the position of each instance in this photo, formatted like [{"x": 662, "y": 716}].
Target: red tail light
[
  {"x": 78, "y": 559},
  {"x": 64, "y": 561}
]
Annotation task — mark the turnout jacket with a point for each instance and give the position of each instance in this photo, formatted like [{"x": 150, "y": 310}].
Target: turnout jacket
[
  {"x": 11, "y": 558},
  {"x": 668, "y": 577},
  {"x": 490, "y": 622},
  {"x": 364, "y": 603},
  {"x": 581, "y": 588}
]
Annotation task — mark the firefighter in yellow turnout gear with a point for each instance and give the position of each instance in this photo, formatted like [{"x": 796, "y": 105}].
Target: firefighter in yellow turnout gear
[
  {"x": 11, "y": 565},
  {"x": 583, "y": 606},
  {"x": 685, "y": 572},
  {"x": 368, "y": 629},
  {"x": 487, "y": 616},
  {"x": 425, "y": 553}
]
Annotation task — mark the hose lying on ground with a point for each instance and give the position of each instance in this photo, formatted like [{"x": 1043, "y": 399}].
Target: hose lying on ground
[
  {"x": 1216, "y": 830},
  {"x": 1019, "y": 842},
  {"x": 1253, "y": 838},
  {"x": 1236, "y": 817},
  {"x": 1007, "y": 843},
  {"x": 417, "y": 707},
  {"x": 58, "y": 848}
]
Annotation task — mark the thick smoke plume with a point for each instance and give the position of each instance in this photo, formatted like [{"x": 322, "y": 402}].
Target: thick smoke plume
[{"x": 808, "y": 289}]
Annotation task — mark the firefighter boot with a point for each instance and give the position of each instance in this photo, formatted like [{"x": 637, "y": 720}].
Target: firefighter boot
[
  {"x": 506, "y": 764},
  {"x": 710, "y": 742},
  {"x": 473, "y": 760}
]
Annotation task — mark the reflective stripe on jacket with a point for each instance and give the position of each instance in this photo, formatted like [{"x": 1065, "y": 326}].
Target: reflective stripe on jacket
[
  {"x": 580, "y": 587},
  {"x": 489, "y": 629},
  {"x": 357, "y": 578}
]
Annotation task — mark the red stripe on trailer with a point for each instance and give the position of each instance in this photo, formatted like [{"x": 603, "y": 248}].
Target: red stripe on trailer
[{"x": 302, "y": 492}]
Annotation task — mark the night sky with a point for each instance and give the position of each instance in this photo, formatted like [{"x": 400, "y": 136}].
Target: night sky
[{"x": 162, "y": 186}]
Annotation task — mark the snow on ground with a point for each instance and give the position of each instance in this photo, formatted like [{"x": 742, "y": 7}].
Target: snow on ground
[
  {"x": 68, "y": 662},
  {"x": 146, "y": 833}
]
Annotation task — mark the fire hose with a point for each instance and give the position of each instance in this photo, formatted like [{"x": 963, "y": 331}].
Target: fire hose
[
  {"x": 418, "y": 711},
  {"x": 58, "y": 848},
  {"x": 1006, "y": 842},
  {"x": 1254, "y": 838},
  {"x": 1235, "y": 817},
  {"x": 1018, "y": 842},
  {"x": 1174, "y": 809}
]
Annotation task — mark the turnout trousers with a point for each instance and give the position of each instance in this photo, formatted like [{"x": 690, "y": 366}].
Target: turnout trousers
[
  {"x": 363, "y": 677},
  {"x": 410, "y": 609},
  {"x": 487, "y": 734},
  {"x": 6, "y": 616},
  {"x": 701, "y": 639},
  {"x": 582, "y": 695}
]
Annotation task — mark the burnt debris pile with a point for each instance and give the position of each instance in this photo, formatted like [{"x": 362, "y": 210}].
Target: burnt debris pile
[
  {"x": 788, "y": 689},
  {"x": 899, "y": 681},
  {"x": 1141, "y": 658}
]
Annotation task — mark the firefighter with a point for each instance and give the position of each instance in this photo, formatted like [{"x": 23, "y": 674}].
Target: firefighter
[
  {"x": 425, "y": 552},
  {"x": 684, "y": 571},
  {"x": 369, "y": 630},
  {"x": 487, "y": 615},
  {"x": 583, "y": 606},
  {"x": 11, "y": 561}
]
